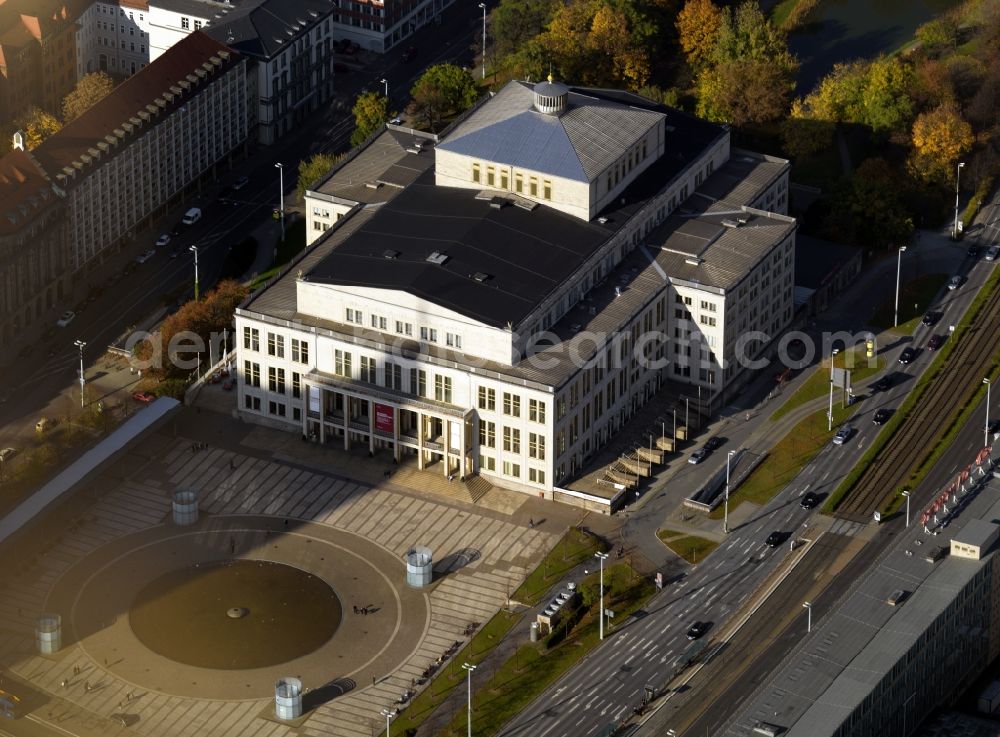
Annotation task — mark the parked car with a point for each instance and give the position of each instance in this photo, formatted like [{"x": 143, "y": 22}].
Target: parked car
[
  {"x": 144, "y": 397},
  {"x": 228, "y": 384},
  {"x": 973, "y": 251},
  {"x": 66, "y": 318},
  {"x": 882, "y": 384},
  {"x": 774, "y": 539},
  {"x": 931, "y": 318},
  {"x": 881, "y": 415},
  {"x": 907, "y": 355},
  {"x": 697, "y": 630},
  {"x": 843, "y": 435},
  {"x": 192, "y": 216},
  {"x": 698, "y": 456},
  {"x": 239, "y": 184},
  {"x": 935, "y": 342},
  {"x": 955, "y": 282},
  {"x": 713, "y": 443},
  {"x": 809, "y": 501},
  {"x": 992, "y": 253},
  {"x": 145, "y": 257},
  {"x": 163, "y": 240},
  {"x": 44, "y": 424},
  {"x": 7, "y": 453},
  {"x": 175, "y": 253},
  {"x": 410, "y": 54}
]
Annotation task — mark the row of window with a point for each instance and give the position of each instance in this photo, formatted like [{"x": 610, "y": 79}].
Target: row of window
[
  {"x": 511, "y": 469},
  {"x": 378, "y": 322},
  {"x": 499, "y": 178},
  {"x": 511, "y": 440},
  {"x": 274, "y": 408},
  {"x": 487, "y": 400},
  {"x": 275, "y": 379},
  {"x": 275, "y": 345}
]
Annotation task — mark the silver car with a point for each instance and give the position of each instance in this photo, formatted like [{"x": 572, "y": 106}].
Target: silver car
[{"x": 843, "y": 434}]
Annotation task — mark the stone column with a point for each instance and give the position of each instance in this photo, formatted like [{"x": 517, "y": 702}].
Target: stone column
[
  {"x": 322, "y": 415},
  {"x": 395, "y": 434},
  {"x": 371, "y": 425},
  {"x": 347, "y": 421},
  {"x": 420, "y": 440}
]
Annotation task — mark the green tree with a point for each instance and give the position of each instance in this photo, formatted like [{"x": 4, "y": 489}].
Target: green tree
[
  {"x": 312, "y": 169},
  {"x": 90, "y": 90},
  {"x": 515, "y": 22},
  {"x": 940, "y": 138},
  {"x": 805, "y": 136},
  {"x": 875, "y": 94},
  {"x": 370, "y": 112},
  {"x": 751, "y": 74},
  {"x": 698, "y": 25},
  {"x": 938, "y": 35},
  {"x": 442, "y": 90},
  {"x": 869, "y": 209}
]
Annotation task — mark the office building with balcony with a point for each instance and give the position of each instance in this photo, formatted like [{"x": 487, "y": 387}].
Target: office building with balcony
[{"x": 501, "y": 299}]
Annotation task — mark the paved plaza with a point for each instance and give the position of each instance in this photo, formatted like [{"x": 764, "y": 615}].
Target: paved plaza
[{"x": 262, "y": 498}]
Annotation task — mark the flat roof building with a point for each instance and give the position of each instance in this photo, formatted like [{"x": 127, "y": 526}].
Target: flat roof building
[{"x": 504, "y": 313}]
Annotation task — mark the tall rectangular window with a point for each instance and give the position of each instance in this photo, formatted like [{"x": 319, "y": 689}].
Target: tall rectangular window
[
  {"x": 300, "y": 351},
  {"x": 487, "y": 434},
  {"x": 536, "y": 446},
  {"x": 511, "y": 404},
  {"x": 547, "y": 189},
  {"x": 519, "y": 183},
  {"x": 296, "y": 385},
  {"x": 512, "y": 440},
  {"x": 251, "y": 339},
  {"x": 504, "y": 182},
  {"x": 442, "y": 388},
  {"x": 487, "y": 399},
  {"x": 394, "y": 376},
  {"x": 490, "y": 176},
  {"x": 533, "y": 186},
  {"x": 512, "y": 469},
  {"x": 418, "y": 382},
  {"x": 368, "y": 370},
  {"x": 251, "y": 373},
  {"x": 342, "y": 363},
  {"x": 275, "y": 345},
  {"x": 536, "y": 410},
  {"x": 276, "y": 380},
  {"x": 475, "y": 173}
]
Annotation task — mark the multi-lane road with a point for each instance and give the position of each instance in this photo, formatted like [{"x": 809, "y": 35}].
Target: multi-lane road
[{"x": 605, "y": 687}]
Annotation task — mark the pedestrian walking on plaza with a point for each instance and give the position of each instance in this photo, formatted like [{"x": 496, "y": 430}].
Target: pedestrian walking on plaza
[
  {"x": 748, "y": 417},
  {"x": 531, "y": 523},
  {"x": 232, "y": 545},
  {"x": 64, "y": 683}
]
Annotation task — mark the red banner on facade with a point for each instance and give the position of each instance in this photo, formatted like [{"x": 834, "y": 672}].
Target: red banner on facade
[{"x": 383, "y": 418}]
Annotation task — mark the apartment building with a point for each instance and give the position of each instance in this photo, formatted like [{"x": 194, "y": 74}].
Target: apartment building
[
  {"x": 501, "y": 299},
  {"x": 114, "y": 37},
  {"x": 379, "y": 25},
  {"x": 140, "y": 148},
  {"x": 37, "y": 54}
]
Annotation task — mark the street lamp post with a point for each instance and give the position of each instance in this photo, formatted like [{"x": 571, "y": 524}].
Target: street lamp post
[
  {"x": 483, "y": 6},
  {"x": 194, "y": 250},
  {"x": 829, "y": 414},
  {"x": 725, "y": 513},
  {"x": 80, "y": 344},
  {"x": 388, "y": 715},
  {"x": 468, "y": 669},
  {"x": 986, "y": 427},
  {"x": 809, "y": 616},
  {"x": 899, "y": 268},
  {"x": 386, "y": 83},
  {"x": 958, "y": 178},
  {"x": 281, "y": 197},
  {"x": 602, "y": 557},
  {"x": 906, "y": 494}
]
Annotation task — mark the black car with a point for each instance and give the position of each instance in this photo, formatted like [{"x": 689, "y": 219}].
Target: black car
[
  {"x": 880, "y": 416},
  {"x": 774, "y": 539},
  {"x": 931, "y": 318},
  {"x": 973, "y": 252},
  {"x": 907, "y": 355},
  {"x": 178, "y": 228},
  {"x": 713, "y": 443},
  {"x": 809, "y": 501},
  {"x": 697, "y": 630},
  {"x": 882, "y": 384},
  {"x": 994, "y": 427}
]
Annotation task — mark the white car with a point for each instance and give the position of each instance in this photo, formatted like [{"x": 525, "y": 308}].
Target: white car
[
  {"x": 7, "y": 453},
  {"x": 145, "y": 257},
  {"x": 66, "y": 318},
  {"x": 955, "y": 282},
  {"x": 992, "y": 253},
  {"x": 163, "y": 240}
]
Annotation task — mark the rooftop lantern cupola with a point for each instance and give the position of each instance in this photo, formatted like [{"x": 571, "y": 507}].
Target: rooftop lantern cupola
[{"x": 550, "y": 97}]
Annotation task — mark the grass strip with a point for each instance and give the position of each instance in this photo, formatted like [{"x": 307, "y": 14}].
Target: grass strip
[
  {"x": 916, "y": 396},
  {"x": 575, "y": 547},
  {"x": 787, "y": 459},
  {"x": 688, "y": 547},
  {"x": 818, "y": 385},
  {"x": 534, "y": 667},
  {"x": 915, "y": 296},
  {"x": 446, "y": 680}
]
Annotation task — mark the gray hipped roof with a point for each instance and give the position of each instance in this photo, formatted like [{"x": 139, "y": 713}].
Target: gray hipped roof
[
  {"x": 590, "y": 135},
  {"x": 262, "y": 29}
]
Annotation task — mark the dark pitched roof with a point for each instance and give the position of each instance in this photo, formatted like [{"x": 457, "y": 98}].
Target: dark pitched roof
[
  {"x": 120, "y": 114},
  {"x": 263, "y": 28}
]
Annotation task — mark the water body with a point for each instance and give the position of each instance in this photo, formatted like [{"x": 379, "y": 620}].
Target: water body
[{"x": 845, "y": 30}]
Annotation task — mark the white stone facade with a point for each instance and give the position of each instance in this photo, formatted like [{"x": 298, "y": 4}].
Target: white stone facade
[{"x": 113, "y": 38}]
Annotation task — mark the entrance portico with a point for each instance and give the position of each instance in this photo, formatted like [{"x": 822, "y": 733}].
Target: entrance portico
[{"x": 337, "y": 408}]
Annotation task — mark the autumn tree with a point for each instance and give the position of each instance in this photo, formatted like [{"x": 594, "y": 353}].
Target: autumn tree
[
  {"x": 90, "y": 90},
  {"x": 697, "y": 28},
  {"x": 444, "y": 89},
  {"x": 622, "y": 39},
  {"x": 514, "y": 23},
  {"x": 312, "y": 169},
  {"x": 371, "y": 110},
  {"x": 804, "y": 136},
  {"x": 36, "y": 125},
  {"x": 940, "y": 138},
  {"x": 937, "y": 35}
]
